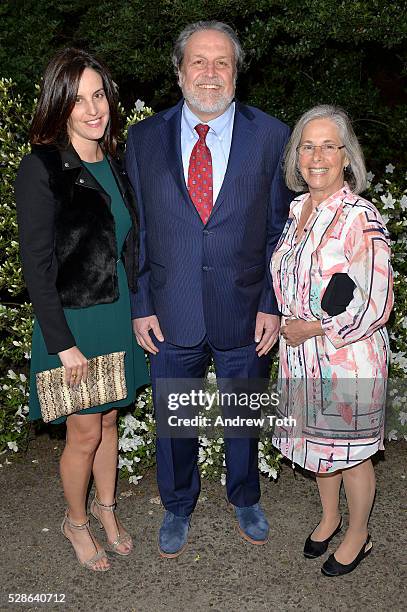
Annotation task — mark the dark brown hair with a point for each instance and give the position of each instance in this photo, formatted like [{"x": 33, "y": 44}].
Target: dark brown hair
[{"x": 57, "y": 99}]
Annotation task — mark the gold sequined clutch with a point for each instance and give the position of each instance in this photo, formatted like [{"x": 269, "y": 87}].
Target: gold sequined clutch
[{"x": 106, "y": 382}]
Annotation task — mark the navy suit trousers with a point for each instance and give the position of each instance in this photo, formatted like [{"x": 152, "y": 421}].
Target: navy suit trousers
[{"x": 177, "y": 468}]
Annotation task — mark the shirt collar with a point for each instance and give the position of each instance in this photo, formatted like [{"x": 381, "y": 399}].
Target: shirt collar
[{"x": 217, "y": 125}]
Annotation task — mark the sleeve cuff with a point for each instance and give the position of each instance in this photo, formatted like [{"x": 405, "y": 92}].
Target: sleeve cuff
[
  {"x": 329, "y": 330},
  {"x": 140, "y": 308}
]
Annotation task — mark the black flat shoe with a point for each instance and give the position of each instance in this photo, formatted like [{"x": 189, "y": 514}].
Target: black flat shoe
[
  {"x": 332, "y": 567},
  {"x": 314, "y": 549}
]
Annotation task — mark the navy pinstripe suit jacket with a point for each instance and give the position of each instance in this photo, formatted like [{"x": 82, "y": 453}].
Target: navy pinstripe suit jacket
[{"x": 208, "y": 279}]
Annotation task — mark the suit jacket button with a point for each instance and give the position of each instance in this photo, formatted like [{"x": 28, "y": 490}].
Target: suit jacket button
[
  {"x": 66, "y": 165},
  {"x": 205, "y": 268},
  {"x": 81, "y": 181}
]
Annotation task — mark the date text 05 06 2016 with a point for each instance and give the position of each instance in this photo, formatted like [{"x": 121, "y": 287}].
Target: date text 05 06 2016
[{"x": 36, "y": 597}]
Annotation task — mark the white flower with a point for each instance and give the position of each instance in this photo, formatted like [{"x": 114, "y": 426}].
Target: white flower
[
  {"x": 124, "y": 462},
  {"x": 403, "y": 202},
  {"x": 201, "y": 455},
  {"x": 390, "y": 168},
  {"x": 223, "y": 479},
  {"x": 23, "y": 377},
  {"x": 388, "y": 201},
  {"x": 139, "y": 105},
  {"x": 11, "y": 375},
  {"x": 392, "y": 435},
  {"x": 129, "y": 444},
  {"x": 12, "y": 446},
  {"x": 130, "y": 425},
  {"x": 403, "y": 417},
  {"x": 135, "y": 479},
  {"x": 400, "y": 359},
  {"x": 378, "y": 187},
  {"x": 266, "y": 469},
  {"x": 131, "y": 421},
  {"x": 370, "y": 176}
]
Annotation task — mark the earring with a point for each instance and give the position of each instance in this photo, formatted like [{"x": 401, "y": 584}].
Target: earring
[{"x": 347, "y": 168}]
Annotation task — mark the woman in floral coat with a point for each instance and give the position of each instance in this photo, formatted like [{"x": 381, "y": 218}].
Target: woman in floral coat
[{"x": 333, "y": 351}]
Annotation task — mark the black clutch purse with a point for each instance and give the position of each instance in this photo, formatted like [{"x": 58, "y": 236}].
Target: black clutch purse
[{"x": 338, "y": 294}]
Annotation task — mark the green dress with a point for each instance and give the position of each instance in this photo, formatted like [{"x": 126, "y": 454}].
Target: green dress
[{"x": 99, "y": 329}]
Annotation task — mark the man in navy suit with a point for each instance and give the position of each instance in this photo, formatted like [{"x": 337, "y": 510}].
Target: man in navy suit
[{"x": 207, "y": 174}]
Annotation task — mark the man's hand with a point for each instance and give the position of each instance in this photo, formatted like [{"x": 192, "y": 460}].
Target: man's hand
[
  {"x": 266, "y": 332},
  {"x": 297, "y": 331},
  {"x": 142, "y": 327}
]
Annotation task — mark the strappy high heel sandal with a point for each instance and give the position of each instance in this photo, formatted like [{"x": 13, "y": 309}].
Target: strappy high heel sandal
[
  {"x": 100, "y": 554},
  {"x": 125, "y": 538}
]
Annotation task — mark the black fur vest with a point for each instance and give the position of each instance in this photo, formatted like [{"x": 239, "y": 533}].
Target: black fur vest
[{"x": 85, "y": 242}]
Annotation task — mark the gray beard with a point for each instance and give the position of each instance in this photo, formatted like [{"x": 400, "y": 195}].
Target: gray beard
[{"x": 217, "y": 106}]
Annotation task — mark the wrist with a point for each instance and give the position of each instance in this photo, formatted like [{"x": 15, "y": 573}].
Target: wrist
[{"x": 316, "y": 329}]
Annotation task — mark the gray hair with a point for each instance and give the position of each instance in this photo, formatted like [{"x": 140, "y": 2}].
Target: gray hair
[
  {"x": 199, "y": 26},
  {"x": 355, "y": 173}
]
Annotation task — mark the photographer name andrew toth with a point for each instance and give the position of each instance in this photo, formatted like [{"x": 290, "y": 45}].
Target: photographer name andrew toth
[{"x": 237, "y": 421}]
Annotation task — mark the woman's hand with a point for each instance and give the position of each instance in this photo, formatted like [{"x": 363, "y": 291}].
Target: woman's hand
[
  {"x": 297, "y": 331},
  {"x": 75, "y": 364}
]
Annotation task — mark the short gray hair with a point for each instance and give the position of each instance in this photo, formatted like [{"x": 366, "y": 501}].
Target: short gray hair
[
  {"x": 199, "y": 26},
  {"x": 355, "y": 173}
]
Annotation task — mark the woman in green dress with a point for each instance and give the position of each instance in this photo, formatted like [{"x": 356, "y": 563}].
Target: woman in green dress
[{"x": 79, "y": 248}]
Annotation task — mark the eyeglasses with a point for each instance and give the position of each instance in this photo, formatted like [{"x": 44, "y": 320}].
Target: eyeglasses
[{"x": 327, "y": 149}]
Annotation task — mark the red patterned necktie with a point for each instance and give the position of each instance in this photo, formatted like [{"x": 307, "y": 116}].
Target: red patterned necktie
[{"x": 200, "y": 178}]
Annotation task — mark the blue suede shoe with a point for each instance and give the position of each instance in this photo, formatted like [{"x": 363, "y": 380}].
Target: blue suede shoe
[
  {"x": 252, "y": 524},
  {"x": 173, "y": 535}
]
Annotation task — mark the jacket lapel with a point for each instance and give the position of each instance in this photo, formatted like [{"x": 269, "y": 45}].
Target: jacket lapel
[
  {"x": 71, "y": 161},
  {"x": 243, "y": 138},
  {"x": 171, "y": 138}
]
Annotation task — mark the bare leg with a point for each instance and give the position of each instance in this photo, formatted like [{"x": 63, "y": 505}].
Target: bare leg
[
  {"x": 105, "y": 462},
  {"x": 82, "y": 439},
  {"x": 329, "y": 486},
  {"x": 105, "y": 472},
  {"x": 360, "y": 486}
]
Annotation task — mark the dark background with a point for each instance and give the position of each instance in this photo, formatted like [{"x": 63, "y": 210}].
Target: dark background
[{"x": 299, "y": 53}]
